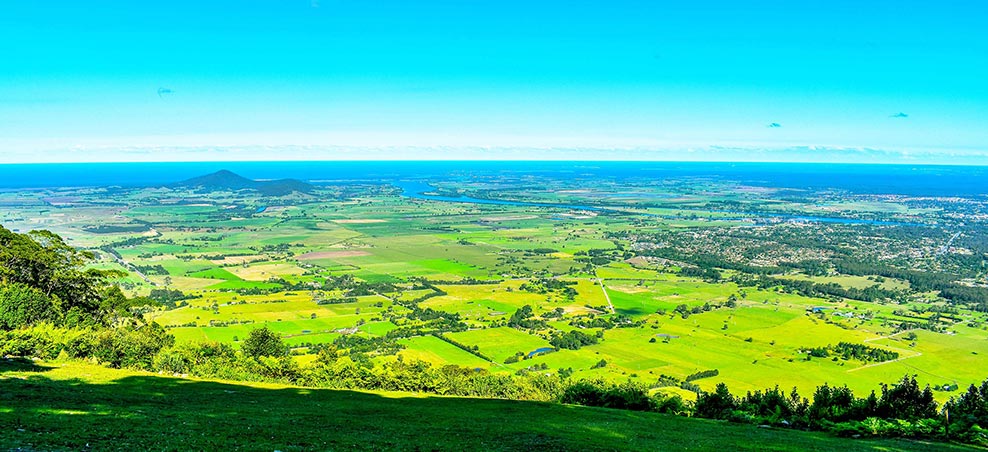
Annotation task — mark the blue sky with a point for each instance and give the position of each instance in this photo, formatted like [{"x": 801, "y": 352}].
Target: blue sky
[{"x": 476, "y": 79}]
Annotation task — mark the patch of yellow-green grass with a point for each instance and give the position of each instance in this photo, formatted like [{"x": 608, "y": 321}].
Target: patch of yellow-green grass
[
  {"x": 460, "y": 298},
  {"x": 622, "y": 270},
  {"x": 378, "y": 328},
  {"x": 628, "y": 349},
  {"x": 500, "y": 343},
  {"x": 185, "y": 283},
  {"x": 265, "y": 271},
  {"x": 850, "y": 281},
  {"x": 636, "y": 300},
  {"x": 266, "y": 309},
  {"x": 439, "y": 352}
]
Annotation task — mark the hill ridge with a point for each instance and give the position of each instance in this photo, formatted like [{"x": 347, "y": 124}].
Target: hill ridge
[{"x": 228, "y": 180}]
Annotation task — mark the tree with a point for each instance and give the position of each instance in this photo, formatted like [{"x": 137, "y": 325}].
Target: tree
[
  {"x": 43, "y": 261},
  {"x": 263, "y": 342},
  {"x": 22, "y": 306},
  {"x": 521, "y": 314},
  {"x": 573, "y": 340},
  {"x": 131, "y": 347},
  {"x": 906, "y": 401},
  {"x": 717, "y": 404},
  {"x": 168, "y": 285},
  {"x": 971, "y": 407},
  {"x": 832, "y": 404}
]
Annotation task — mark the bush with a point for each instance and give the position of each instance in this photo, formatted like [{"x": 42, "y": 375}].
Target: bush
[
  {"x": 172, "y": 361},
  {"x": 974, "y": 435},
  {"x": 22, "y": 306},
  {"x": 845, "y": 429},
  {"x": 716, "y": 405},
  {"x": 282, "y": 368},
  {"x": 740, "y": 417},
  {"x": 572, "y": 340},
  {"x": 627, "y": 396},
  {"x": 263, "y": 342},
  {"x": 131, "y": 347},
  {"x": 906, "y": 401},
  {"x": 671, "y": 404},
  {"x": 874, "y": 426},
  {"x": 47, "y": 342}
]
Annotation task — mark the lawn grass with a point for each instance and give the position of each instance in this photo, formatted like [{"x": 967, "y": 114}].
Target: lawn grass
[{"x": 76, "y": 406}]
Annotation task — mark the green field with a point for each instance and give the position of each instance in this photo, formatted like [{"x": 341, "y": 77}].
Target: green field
[{"x": 318, "y": 268}]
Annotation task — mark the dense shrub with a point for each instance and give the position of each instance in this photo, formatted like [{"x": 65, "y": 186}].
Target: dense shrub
[
  {"x": 115, "y": 347},
  {"x": 906, "y": 401},
  {"x": 22, "y": 305},
  {"x": 702, "y": 374},
  {"x": 573, "y": 340},
  {"x": 835, "y": 404},
  {"x": 263, "y": 342},
  {"x": 626, "y": 396},
  {"x": 774, "y": 406},
  {"x": 715, "y": 405},
  {"x": 131, "y": 347},
  {"x": 47, "y": 342}
]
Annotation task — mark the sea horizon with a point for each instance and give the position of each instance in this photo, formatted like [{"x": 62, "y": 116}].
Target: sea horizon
[{"x": 871, "y": 178}]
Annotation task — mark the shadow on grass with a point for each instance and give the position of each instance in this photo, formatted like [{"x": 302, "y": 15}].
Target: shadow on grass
[
  {"x": 21, "y": 365},
  {"x": 146, "y": 411},
  {"x": 633, "y": 312}
]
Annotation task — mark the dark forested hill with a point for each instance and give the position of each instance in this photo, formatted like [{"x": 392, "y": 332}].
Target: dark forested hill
[{"x": 228, "y": 180}]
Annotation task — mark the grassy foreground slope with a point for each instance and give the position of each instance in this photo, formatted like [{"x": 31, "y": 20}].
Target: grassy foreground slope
[{"x": 74, "y": 406}]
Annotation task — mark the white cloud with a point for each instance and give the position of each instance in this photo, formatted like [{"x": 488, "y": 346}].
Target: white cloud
[{"x": 740, "y": 153}]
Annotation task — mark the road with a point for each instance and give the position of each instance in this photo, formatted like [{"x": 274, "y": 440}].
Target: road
[
  {"x": 900, "y": 350},
  {"x": 603, "y": 289},
  {"x": 946, "y": 247}
]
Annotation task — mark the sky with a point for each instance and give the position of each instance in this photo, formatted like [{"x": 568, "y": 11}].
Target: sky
[{"x": 874, "y": 81}]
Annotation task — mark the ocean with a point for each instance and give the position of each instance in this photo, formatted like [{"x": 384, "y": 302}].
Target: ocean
[{"x": 912, "y": 180}]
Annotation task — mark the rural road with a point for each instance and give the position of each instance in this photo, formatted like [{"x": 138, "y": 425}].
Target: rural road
[
  {"x": 604, "y": 289},
  {"x": 917, "y": 354},
  {"x": 131, "y": 267}
]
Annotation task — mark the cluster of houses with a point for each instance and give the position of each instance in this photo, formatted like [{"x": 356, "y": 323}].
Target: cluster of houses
[{"x": 836, "y": 313}]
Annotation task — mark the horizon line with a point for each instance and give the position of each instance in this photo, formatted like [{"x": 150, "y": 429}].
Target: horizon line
[{"x": 576, "y": 160}]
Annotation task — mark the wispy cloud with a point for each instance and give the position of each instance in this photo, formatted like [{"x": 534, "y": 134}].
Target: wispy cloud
[{"x": 716, "y": 153}]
